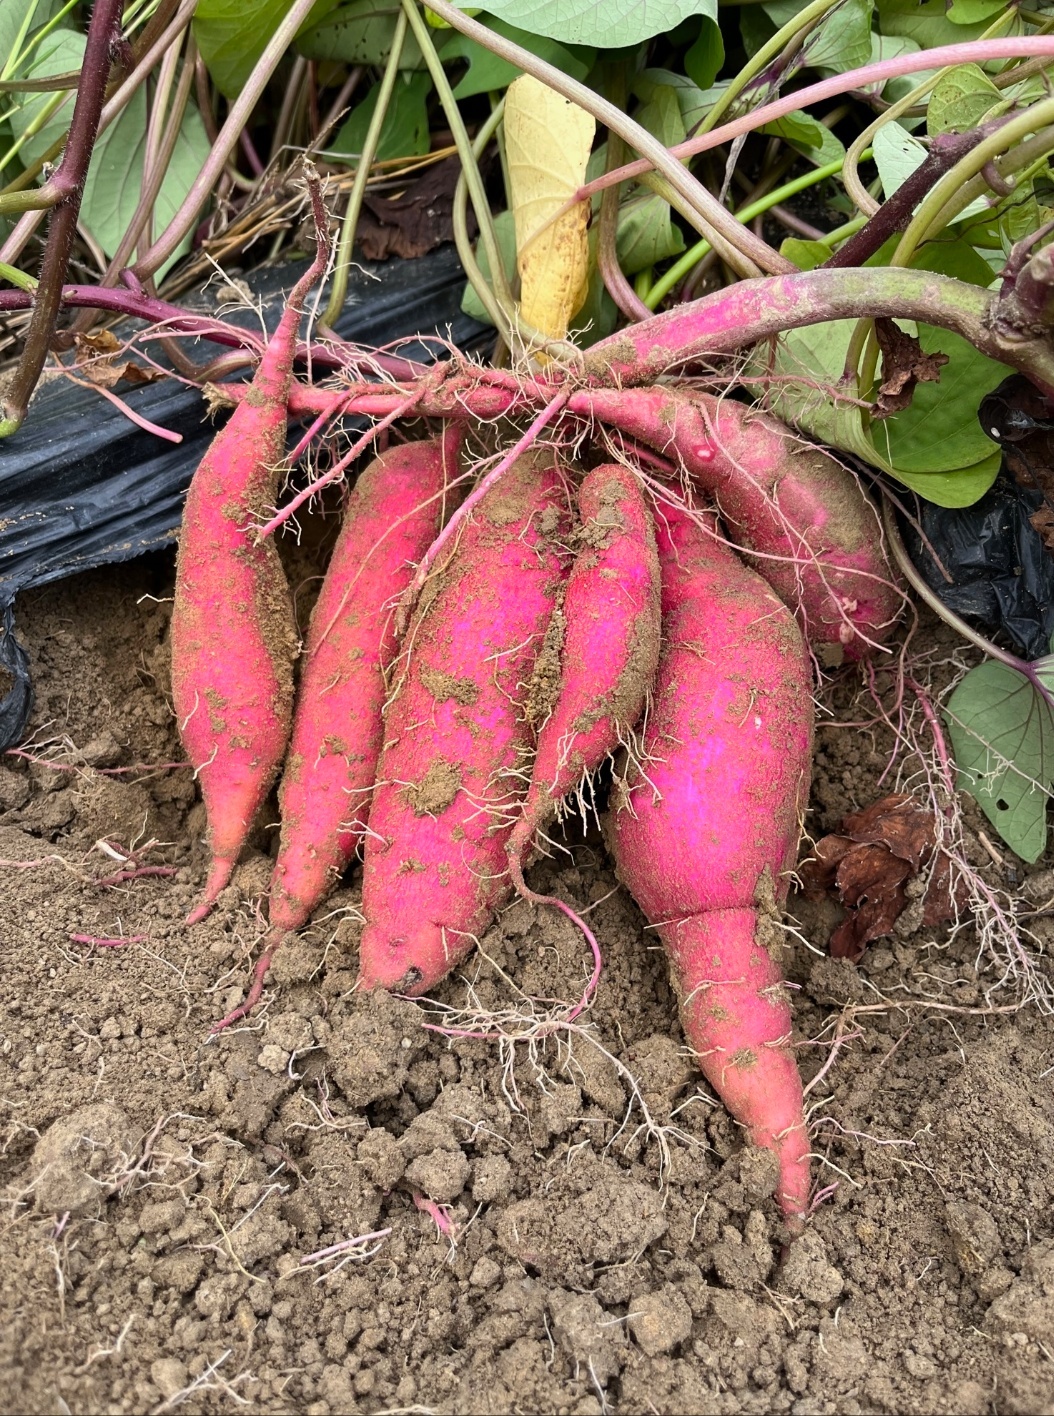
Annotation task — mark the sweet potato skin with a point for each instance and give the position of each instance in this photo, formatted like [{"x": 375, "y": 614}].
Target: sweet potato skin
[
  {"x": 818, "y": 539},
  {"x": 391, "y": 518},
  {"x": 234, "y": 636},
  {"x": 451, "y": 777},
  {"x": 703, "y": 840},
  {"x": 601, "y": 661}
]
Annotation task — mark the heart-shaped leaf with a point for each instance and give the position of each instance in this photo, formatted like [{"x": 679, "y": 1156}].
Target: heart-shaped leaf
[
  {"x": 1002, "y": 732},
  {"x": 608, "y": 24}
]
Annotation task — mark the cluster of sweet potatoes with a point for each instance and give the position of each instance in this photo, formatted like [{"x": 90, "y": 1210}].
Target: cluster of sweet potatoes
[{"x": 574, "y": 611}]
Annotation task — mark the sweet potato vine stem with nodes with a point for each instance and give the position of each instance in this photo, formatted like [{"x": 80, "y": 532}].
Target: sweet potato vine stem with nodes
[
  {"x": 943, "y": 56},
  {"x": 240, "y": 112},
  {"x": 733, "y": 319},
  {"x": 66, "y": 189}
]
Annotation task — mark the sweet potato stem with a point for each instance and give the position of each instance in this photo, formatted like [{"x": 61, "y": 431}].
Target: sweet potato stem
[{"x": 66, "y": 188}]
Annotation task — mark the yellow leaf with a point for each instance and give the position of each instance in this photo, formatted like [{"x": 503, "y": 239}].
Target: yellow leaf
[{"x": 548, "y": 141}]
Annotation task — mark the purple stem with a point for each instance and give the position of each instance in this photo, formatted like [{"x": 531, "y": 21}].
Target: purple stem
[
  {"x": 104, "y": 31},
  {"x": 979, "y": 51},
  {"x": 755, "y": 309},
  {"x": 893, "y": 215},
  {"x": 138, "y": 305},
  {"x": 618, "y": 287}
]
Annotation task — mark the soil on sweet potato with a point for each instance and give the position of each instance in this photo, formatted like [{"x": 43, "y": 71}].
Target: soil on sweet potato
[{"x": 161, "y": 1190}]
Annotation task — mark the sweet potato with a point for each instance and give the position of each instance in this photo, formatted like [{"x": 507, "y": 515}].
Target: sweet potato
[
  {"x": 601, "y": 652},
  {"x": 817, "y": 538},
  {"x": 703, "y": 833},
  {"x": 233, "y": 633},
  {"x": 452, "y": 776},
  {"x": 391, "y": 518}
]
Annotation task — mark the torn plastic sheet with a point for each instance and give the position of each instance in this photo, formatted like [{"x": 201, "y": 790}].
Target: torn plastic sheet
[{"x": 1002, "y": 574}]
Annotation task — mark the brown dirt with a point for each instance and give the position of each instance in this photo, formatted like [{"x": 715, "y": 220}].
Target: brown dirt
[{"x": 161, "y": 1189}]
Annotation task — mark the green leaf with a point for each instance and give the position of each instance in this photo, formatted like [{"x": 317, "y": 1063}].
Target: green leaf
[
  {"x": 362, "y": 33},
  {"x": 816, "y": 354},
  {"x": 232, "y": 34},
  {"x": 975, "y": 12},
  {"x": 12, "y": 17},
  {"x": 702, "y": 62},
  {"x": 599, "y": 22},
  {"x": 487, "y": 73},
  {"x": 806, "y": 255},
  {"x": 897, "y": 155},
  {"x": 661, "y": 116},
  {"x": 111, "y": 193},
  {"x": 940, "y": 431},
  {"x": 960, "y": 99},
  {"x": 949, "y": 254},
  {"x": 926, "y": 23},
  {"x": 758, "y": 23},
  {"x": 959, "y": 487},
  {"x": 842, "y": 40},
  {"x": 646, "y": 233},
  {"x": 60, "y": 52},
  {"x": 1018, "y": 215},
  {"x": 945, "y": 475},
  {"x": 695, "y": 103},
  {"x": 1002, "y": 733},
  {"x": 891, "y": 46},
  {"x": 405, "y": 131},
  {"x": 505, "y": 231},
  {"x": 803, "y": 133}
]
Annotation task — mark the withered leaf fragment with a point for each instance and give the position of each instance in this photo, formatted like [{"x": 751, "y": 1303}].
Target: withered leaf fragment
[
  {"x": 868, "y": 865},
  {"x": 903, "y": 366}
]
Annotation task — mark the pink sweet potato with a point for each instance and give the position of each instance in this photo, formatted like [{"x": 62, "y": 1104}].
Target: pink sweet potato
[
  {"x": 392, "y": 516},
  {"x": 233, "y": 632},
  {"x": 703, "y": 840},
  {"x": 602, "y": 649},
  {"x": 452, "y": 777},
  {"x": 817, "y": 539}
]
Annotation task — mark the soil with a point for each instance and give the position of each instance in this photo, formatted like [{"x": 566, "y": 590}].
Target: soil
[{"x": 542, "y": 1232}]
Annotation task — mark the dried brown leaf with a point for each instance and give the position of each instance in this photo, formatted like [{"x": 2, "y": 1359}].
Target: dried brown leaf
[
  {"x": 899, "y": 822},
  {"x": 95, "y": 362},
  {"x": 903, "y": 366},
  {"x": 868, "y": 864},
  {"x": 413, "y": 220}
]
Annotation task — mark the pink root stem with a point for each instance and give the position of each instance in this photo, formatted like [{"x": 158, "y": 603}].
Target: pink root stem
[
  {"x": 516, "y": 871},
  {"x": 256, "y": 988},
  {"x": 102, "y": 771},
  {"x": 120, "y": 876},
  {"x": 316, "y": 427},
  {"x": 98, "y": 942},
  {"x": 335, "y": 473},
  {"x": 437, "y": 1213},
  {"x": 947, "y": 771},
  {"x": 220, "y": 873},
  {"x": 345, "y": 1245},
  {"x": 133, "y": 417}
]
